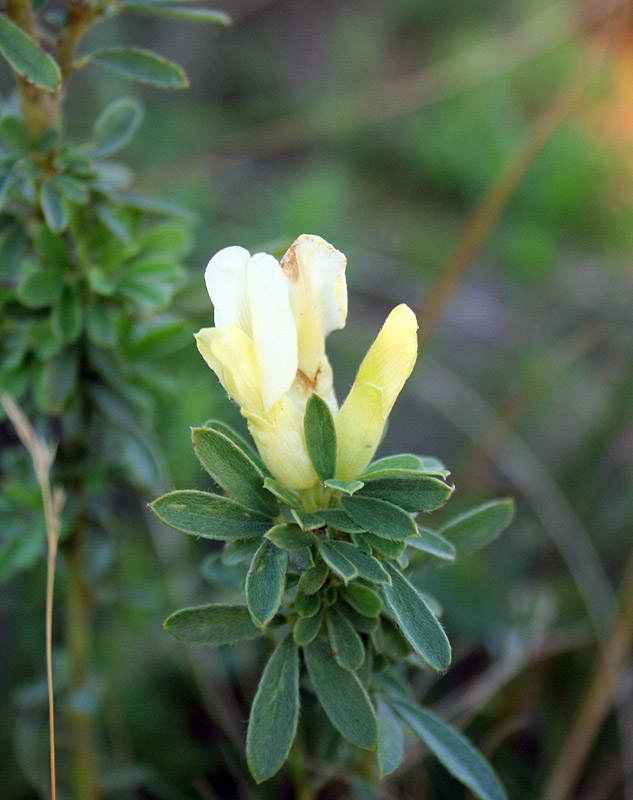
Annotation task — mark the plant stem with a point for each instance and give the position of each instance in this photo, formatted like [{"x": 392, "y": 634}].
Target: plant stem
[
  {"x": 39, "y": 107},
  {"x": 84, "y": 768}
]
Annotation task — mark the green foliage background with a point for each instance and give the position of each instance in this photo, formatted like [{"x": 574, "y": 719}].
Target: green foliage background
[{"x": 525, "y": 387}]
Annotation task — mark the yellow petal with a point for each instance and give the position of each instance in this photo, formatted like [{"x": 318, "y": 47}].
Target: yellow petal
[
  {"x": 318, "y": 296},
  {"x": 385, "y": 368},
  {"x": 279, "y": 436},
  {"x": 231, "y": 355}
]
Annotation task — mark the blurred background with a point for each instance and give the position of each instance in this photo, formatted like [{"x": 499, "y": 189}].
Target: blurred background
[{"x": 474, "y": 160}]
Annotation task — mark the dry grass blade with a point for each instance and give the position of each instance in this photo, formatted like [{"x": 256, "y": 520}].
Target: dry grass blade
[
  {"x": 42, "y": 456},
  {"x": 598, "y": 700}
]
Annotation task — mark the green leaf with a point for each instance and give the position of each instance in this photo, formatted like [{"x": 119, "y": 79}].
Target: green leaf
[
  {"x": 74, "y": 190},
  {"x": 361, "y": 623},
  {"x": 58, "y": 379},
  {"x": 186, "y": 14},
  {"x": 307, "y": 605},
  {"x": 347, "y": 646},
  {"x": 427, "y": 464},
  {"x": 367, "y": 566},
  {"x": 273, "y": 720},
  {"x": 238, "y": 551},
  {"x": 307, "y": 521},
  {"x": 363, "y": 599},
  {"x": 141, "y": 65},
  {"x": 147, "y": 292},
  {"x": 153, "y": 205},
  {"x": 345, "y": 487},
  {"x": 380, "y": 517},
  {"x": 290, "y": 537},
  {"x": 100, "y": 282},
  {"x": 115, "y": 127},
  {"x": 113, "y": 223},
  {"x": 232, "y": 469},
  {"x": 419, "y": 625},
  {"x": 234, "y": 436},
  {"x": 265, "y": 582},
  {"x": 342, "y": 696},
  {"x": 287, "y": 496},
  {"x": 385, "y": 547},
  {"x": 306, "y": 629},
  {"x": 313, "y": 578},
  {"x": 479, "y": 527},
  {"x": 454, "y": 751},
  {"x": 301, "y": 558},
  {"x": 208, "y": 515},
  {"x": 53, "y": 207},
  {"x": 160, "y": 341},
  {"x": 26, "y": 58},
  {"x": 337, "y": 562},
  {"x": 407, "y": 489},
  {"x": 40, "y": 288},
  {"x": 15, "y": 134},
  {"x": 430, "y": 542},
  {"x": 336, "y": 518},
  {"x": 67, "y": 317},
  {"x": 320, "y": 433},
  {"x": 7, "y": 182},
  {"x": 390, "y": 750},
  {"x": 212, "y": 624}
]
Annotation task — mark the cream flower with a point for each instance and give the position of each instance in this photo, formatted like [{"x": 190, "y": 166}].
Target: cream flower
[{"x": 268, "y": 344}]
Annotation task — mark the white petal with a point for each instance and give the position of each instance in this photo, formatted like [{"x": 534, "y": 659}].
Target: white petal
[
  {"x": 318, "y": 295},
  {"x": 273, "y": 326},
  {"x": 225, "y": 277}
]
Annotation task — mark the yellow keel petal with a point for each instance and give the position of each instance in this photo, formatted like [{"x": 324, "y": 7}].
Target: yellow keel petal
[{"x": 383, "y": 373}]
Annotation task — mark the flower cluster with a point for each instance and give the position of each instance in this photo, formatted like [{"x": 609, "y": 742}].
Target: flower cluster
[{"x": 268, "y": 350}]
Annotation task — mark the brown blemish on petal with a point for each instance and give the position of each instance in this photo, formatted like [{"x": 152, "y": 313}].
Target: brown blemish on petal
[
  {"x": 289, "y": 263},
  {"x": 307, "y": 385}
]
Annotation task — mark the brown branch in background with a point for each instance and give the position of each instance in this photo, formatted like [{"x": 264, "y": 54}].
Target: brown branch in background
[
  {"x": 43, "y": 456},
  {"x": 407, "y": 94},
  {"x": 488, "y": 211},
  {"x": 598, "y": 700}
]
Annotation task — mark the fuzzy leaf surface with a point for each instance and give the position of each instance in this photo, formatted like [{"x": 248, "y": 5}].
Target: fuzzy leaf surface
[
  {"x": 342, "y": 696},
  {"x": 209, "y": 515},
  {"x": 212, "y": 624},
  {"x": 407, "y": 489},
  {"x": 26, "y": 58},
  {"x": 477, "y": 528},
  {"x": 380, "y": 517},
  {"x": 273, "y": 719},
  {"x": 390, "y": 739},
  {"x": 141, "y": 65},
  {"x": 232, "y": 469},
  {"x": 265, "y": 582},
  {"x": 418, "y": 624},
  {"x": 320, "y": 436},
  {"x": 454, "y": 751}
]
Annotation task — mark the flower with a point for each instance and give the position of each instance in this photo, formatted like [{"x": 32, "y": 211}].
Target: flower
[
  {"x": 268, "y": 344},
  {"x": 268, "y": 350}
]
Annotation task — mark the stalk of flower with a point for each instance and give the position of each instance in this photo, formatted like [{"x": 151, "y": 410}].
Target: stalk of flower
[{"x": 268, "y": 350}]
